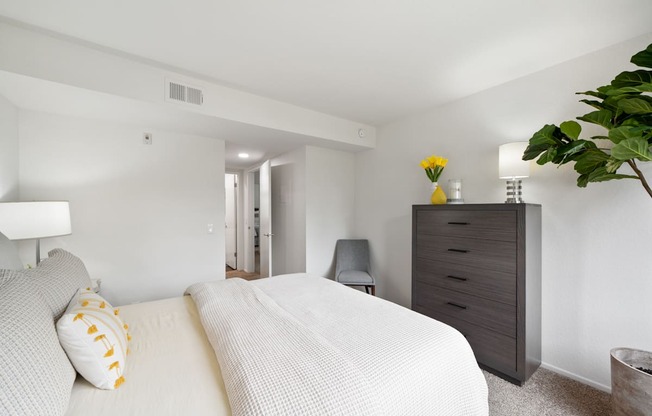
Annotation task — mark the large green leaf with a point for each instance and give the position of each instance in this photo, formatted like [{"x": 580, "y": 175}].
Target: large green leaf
[
  {"x": 644, "y": 87},
  {"x": 572, "y": 151},
  {"x": 635, "y": 106},
  {"x": 597, "y": 104},
  {"x": 601, "y": 175},
  {"x": 643, "y": 58},
  {"x": 590, "y": 160},
  {"x": 571, "y": 129},
  {"x": 601, "y": 93},
  {"x": 633, "y": 148},
  {"x": 619, "y": 134},
  {"x": 601, "y": 118},
  {"x": 541, "y": 141},
  {"x": 547, "y": 156},
  {"x": 631, "y": 78},
  {"x": 583, "y": 180}
]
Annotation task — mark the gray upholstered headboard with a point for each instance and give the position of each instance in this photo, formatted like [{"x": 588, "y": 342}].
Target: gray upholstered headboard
[{"x": 9, "y": 254}]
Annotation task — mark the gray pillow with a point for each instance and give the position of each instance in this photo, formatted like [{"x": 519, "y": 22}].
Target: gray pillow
[
  {"x": 58, "y": 278},
  {"x": 35, "y": 373}
]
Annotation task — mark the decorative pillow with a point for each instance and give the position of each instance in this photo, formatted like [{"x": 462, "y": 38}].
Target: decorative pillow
[
  {"x": 58, "y": 278},
  {"x": 95, "y": 339},
  {"x": 35, "y": 375}
]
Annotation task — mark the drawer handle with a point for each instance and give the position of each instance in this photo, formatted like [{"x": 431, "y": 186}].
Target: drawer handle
[
  {"x": 456, "y": 305},
  {"x": 457, "y": 250},
  {"x": 457, "y": 223},
  {"x": 462, "y": 279}
]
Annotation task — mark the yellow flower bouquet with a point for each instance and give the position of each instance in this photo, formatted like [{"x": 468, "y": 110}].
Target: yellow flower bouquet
[{"x": 434, "y": 166}]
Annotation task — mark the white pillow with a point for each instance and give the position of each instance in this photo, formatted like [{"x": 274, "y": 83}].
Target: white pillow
[{"x": 95, "y": 339}]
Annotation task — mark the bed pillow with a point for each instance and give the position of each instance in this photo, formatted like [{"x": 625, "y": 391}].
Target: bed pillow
[
  {"x": 95, "y": 339},
  {"x": 58, "y": 277},
  {"x": 35, "y": 374}
]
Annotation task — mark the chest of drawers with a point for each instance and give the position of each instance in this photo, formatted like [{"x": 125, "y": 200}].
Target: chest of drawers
[{"x": 477, "y": 267}]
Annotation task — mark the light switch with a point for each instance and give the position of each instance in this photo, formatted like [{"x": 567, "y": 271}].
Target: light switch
[{"x": 210, "y": 228}]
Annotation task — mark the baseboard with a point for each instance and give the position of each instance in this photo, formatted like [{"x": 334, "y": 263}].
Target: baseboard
[{"x": 575, "y": 377}]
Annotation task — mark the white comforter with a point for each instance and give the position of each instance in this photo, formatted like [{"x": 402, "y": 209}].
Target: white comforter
[{"x": 305, "y": 345}]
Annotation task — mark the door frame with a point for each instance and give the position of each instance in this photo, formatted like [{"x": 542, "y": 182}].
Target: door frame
[
  {"x": 249, "y": 261},
  {"x": 240, "y": 219}
]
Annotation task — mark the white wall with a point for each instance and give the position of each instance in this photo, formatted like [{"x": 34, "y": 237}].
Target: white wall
[
  {"x": 8, "y": 151},
  {"x": 330, "y": 206},
  {"x": 289, "y": 212},
  {"x": 596, "y": 241},
  {"x": 139, "y": 212}
]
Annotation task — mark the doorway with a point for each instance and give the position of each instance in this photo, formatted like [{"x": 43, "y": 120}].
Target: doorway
[{"x": 231, "y": 215}]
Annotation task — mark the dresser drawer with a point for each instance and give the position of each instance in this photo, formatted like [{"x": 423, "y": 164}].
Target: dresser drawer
[
  {"x": 490, "y": 348},
  {"x": 482, "y": 254},
  {"x": 489, "y": 225},
  {"x": 489, "y": 284},
  {"x": 494, "y": 316}
]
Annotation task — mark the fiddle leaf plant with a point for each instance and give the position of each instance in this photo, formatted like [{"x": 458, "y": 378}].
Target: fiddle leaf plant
[{"x": 624, "y": 109}]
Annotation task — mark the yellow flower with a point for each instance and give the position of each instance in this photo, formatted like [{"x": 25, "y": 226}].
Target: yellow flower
[
  {"x": 438, "y": 161},
  {"x": 425, "y": 164},
  {"x": 444, "y": 161},
  {"x": 431, "y": 159}
]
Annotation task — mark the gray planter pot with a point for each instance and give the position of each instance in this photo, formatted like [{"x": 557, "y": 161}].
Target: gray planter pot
[{"x": 631, "y": 389}]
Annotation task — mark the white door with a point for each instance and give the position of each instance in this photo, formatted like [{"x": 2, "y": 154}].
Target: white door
[
  {"x": 265, "y": 239},
  {"x": 231, "y": 230}
]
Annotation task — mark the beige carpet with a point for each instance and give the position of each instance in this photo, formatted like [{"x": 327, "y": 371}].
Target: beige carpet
[{"x": 545, "y": 394}]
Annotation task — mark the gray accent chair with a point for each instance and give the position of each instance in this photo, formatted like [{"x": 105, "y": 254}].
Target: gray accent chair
[{"x": 352, "y": 264}]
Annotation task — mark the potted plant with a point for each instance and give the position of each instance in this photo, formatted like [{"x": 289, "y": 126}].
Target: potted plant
[{"x": 624, "y": 109}]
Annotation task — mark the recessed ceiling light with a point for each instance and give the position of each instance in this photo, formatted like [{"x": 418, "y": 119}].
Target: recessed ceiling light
[{"x": 243, "y": 155}]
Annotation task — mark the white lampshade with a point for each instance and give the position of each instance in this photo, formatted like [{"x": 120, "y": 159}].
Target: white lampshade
[
  {"x": 27, "y": 220},
  {"x": 510, "y": 161}
]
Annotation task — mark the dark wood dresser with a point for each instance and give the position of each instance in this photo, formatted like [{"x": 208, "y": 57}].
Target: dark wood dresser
[{"x": 477, "y": 267}]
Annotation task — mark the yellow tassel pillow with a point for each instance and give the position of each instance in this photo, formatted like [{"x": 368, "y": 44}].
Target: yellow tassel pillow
[{"x": 95, "y": 339}]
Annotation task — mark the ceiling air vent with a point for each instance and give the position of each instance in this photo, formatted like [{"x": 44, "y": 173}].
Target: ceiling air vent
[{"x": 178, "y": 92}]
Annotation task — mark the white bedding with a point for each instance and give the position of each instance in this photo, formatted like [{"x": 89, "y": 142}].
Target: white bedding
[
  {"x": 406, "y": 363},
  {"x": 402, "y": 362},
  {"x": 171, "y": 369}
]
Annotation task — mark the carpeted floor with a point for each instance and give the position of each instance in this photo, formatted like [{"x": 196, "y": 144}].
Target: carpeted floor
[{"x": 545, "y": 394}]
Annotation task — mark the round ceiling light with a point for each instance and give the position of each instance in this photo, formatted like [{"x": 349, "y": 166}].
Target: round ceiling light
[{"x": 243, "y": 155}]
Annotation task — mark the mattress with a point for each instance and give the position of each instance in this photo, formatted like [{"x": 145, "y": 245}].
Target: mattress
[{"x": 171, "y": 368}]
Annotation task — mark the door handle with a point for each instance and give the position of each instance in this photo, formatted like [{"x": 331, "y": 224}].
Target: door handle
[{"x": 268, "y": 235}]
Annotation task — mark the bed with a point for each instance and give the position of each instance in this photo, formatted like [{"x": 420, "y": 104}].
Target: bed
[{"x": 293, "y": 344}]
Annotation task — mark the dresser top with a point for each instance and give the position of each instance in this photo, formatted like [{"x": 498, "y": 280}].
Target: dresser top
[{"x": 493, "y": 206}]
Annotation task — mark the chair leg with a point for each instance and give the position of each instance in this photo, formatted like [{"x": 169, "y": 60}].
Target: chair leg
[
  {"x": 373, "y": 290},
  {"x": 366, "y": 289}
]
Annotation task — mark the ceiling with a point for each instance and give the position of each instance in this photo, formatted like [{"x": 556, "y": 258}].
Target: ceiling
[
  {"x": 370, "y": 61},
  {"x": 259, "y": 142}
]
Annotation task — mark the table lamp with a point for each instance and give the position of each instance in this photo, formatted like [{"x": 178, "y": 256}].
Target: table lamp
[
  {"x": 34, "y": 220},
  {"x": 512, "y": 167}
]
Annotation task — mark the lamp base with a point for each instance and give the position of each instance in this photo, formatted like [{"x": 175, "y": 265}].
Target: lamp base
[{"x": 514, "y": 195}]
